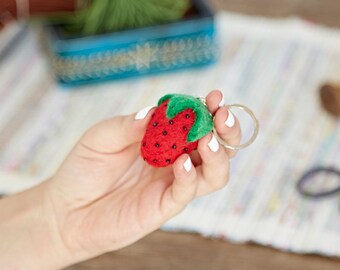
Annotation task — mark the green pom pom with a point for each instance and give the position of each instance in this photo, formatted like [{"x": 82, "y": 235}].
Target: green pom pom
[{"x": 179, "y": 102}]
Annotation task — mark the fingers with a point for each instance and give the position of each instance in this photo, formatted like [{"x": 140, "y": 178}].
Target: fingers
[
  {"x": 113, "y": 135},
  {"x": 215, "y": 100},
  {"x": 228, "y": 128},
  {"x": 213, "y": 174},
  {"x": 191, "y": 182},
  {"x": 226, "y": 124},
  {"x": 183, "y": 188}
]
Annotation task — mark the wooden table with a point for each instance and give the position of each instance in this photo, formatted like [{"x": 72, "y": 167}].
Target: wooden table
[
  {"x": 183, "y": 251},
  {"x": 165, "y": 251}
]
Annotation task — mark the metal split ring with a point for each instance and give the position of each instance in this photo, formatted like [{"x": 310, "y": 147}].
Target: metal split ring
[{"x": 253, "y": 117}]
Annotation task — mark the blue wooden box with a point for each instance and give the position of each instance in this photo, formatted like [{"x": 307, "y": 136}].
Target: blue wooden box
[{"x": 182, "y": 44}]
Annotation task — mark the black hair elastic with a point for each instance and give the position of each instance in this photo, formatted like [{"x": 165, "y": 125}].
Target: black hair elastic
[{"x": 308, "y": 176}]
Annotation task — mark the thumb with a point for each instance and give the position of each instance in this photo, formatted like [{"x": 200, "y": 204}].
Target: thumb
[{"x": 113, "y": 135}]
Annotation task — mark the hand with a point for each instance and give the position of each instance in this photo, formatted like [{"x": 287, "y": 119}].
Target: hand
[{"x": 105, "y": 197}]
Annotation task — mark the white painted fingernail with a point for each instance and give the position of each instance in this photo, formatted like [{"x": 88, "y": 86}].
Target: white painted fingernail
[
  {"x": 230, "y": 120},
  {"x": 187, "y": 164},
  {"x": 142, "y": 113},
  {"x": 213, "y": 144},
  {"x": 221, "y": 104}
]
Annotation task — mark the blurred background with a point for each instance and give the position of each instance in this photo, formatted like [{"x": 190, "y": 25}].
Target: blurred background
[{"x": 65, "y": 65}]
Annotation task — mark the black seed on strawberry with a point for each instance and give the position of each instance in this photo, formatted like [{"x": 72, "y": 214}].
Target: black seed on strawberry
[
  {"x": 165, "y": 132},
  {"x": 171, "y": 122},
  {"x": 174, "y": 146},
  {"x": 185, "y": 128},
  {"x": 156, "y": 144},
  {"x": 167, "y": 161},
  {"x": 144, "y": 143},
  {"x": 187, "y": 116},
  {"x": 186, "y": 149},
  {"x": 155, "y": 124},
  {"x": 155, "y": 161}
]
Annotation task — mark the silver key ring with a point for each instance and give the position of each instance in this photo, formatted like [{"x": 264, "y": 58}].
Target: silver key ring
[{"x": 253, "y": 117}]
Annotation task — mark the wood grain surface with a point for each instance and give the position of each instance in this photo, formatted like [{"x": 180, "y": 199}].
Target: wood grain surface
[
  {"x": 165, "y": 250},
  {"x": 181, "y": 251}
]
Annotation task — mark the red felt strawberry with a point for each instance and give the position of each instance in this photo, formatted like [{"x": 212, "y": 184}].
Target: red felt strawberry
[{"x": 175, "y": 128}]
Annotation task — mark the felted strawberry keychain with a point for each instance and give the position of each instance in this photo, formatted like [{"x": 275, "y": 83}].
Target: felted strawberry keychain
[{"x": 177, "y": 124}]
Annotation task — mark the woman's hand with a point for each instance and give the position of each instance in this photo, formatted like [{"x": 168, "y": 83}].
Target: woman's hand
[{"x": 105, "y": 197}]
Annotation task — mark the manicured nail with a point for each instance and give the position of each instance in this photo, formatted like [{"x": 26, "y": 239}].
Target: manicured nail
[
  {"x": 230, "y": 120},
  {"x": 213, "y": 144},
  {"x": 187, "y": 164},
  {"x": 142, "y": 113},
  {"x": 221, "y": 104}
]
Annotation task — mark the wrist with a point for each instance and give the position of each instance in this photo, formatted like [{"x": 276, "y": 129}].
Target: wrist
[{"x": 29, "y": 231}]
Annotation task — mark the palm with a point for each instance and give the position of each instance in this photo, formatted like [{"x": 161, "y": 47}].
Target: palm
[{"x": 130, "y": 201}]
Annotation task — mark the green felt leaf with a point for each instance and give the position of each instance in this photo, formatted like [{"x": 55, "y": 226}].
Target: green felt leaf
[{"x": 179, "y": 102}]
